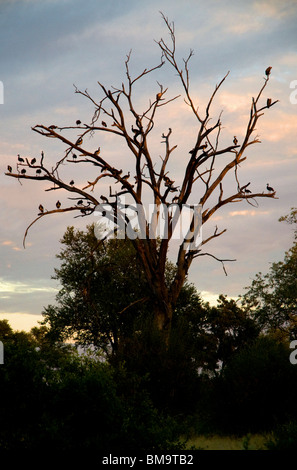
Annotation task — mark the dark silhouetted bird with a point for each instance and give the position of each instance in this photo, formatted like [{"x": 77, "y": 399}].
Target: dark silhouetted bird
[
  {"x": 104, "y": 198},
  {"x": 23, "y": 171},
  {"x": 97, "y": 151},
  {"x": 204, "y": 146},
  {"x": 71, "y": 183},
  {"x": 125, "y": 177},
  {"x": 80, "y": 202},
  {"x": 79, "y": 141},
  {"x": 78, "y": 122},
  {"x": 168, "y": 181},
  {"x": 20, "y": 159},
  {"x": 248, "y": 191},
  {"x": 235, "y": 141},
  {"x": 52, "y": 127},
  {"x": 104, "y": 124},
  {"x": 38, "y": 171},
  {"x": 269, "y": 188},
  {"x": 268, "y": 102},
  {"x": 58, "y": 204},
  {"x": 33, "y": 161},
  {"x": 74, "y": 156},
  {"x": 41, "y": 208},
  {"x": 268, "y": 71},
  {"x": 9, "y": 168}
]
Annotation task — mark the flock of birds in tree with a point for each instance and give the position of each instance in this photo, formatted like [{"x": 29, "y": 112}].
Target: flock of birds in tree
[{"x": 168, "y": 182}]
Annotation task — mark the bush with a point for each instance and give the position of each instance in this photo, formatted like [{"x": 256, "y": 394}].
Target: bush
[
  {"x": 256, "y": 390},
  {"x": 284, "y": 437},
  {"x": 169, "y": 376},
  {"x": 60, "y": 401}
]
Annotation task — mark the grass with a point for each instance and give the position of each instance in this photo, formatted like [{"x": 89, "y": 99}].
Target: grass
[{"x": 216, "y": 442}]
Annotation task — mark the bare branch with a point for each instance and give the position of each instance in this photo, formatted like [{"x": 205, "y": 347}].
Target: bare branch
[
  {"x": 217, "y": 259},
  {"x": 143, "y": 299}
]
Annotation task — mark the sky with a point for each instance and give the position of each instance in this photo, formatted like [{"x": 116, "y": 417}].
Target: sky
[{"x": 48, "y": 46}]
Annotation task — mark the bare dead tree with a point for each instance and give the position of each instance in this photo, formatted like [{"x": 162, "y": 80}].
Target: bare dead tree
[{"x": 111, "y": 115}]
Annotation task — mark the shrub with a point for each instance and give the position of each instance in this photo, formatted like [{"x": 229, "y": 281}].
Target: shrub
[
  {"x": 284, "y": 437},
  {"x": 256, "y": 390}
]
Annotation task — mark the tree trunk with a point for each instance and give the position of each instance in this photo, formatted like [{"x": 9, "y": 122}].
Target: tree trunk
[{"x": 163, "y": 319}]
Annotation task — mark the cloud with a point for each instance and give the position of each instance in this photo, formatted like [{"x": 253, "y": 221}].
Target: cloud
[
  {"x": 232, "y": 102},
  {"x": 276, "y": 9},
  {"x": 260, "y": 17},
  {"x": 279, "y": 127},
  {"x": 17, "y": 287},
  {"x": 7, "y": 243},
  {"x": 246, "y": 213}
]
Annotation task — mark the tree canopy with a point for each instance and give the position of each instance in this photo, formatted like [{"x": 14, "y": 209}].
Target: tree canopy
[{"x": 272, "y": 297}]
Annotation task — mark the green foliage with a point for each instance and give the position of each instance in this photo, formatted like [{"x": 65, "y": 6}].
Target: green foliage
[
  {"x": 228, "y": 328},
  {"x": 272, "y": 297},
  {"x": 169, "y": 375},
  {"x": 102, "y": 292},
  {"x": 284, "y": 437},
  {"x": 54, "y": 399},
  {"x": 256, "y": 390},
  {"x": 99, "y": 304}
]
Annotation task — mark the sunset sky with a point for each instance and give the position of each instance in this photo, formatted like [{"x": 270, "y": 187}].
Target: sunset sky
[{"x": 50, "y": 45}]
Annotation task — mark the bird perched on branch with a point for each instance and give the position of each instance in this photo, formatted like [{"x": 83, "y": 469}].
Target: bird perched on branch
[
  {"x": 58, "y": 204},
  {"x": 38, "y": 171},
  {"x": 235, "y": 141},
  {"x": 125, "y": 177},
  {"x": 9, "y": 168},
  {"x": 71, "y": 183},
  {"x": 116, "y": 172},
  {"x": 33, "y": 161},
  {"x": 20, "y": 159},
  {"x": 104, "y": 168},
  {"x": 97, "y": 151},
  {"x": 104, "y": 124},
  {"x": 52, "y": 127},
  {"x": 23, "y": 171},
  {"x": 247, "y": 191},
  {"x": 74, "y": 156},
  {"x": 268, "y": 71},
  {"x": 41, "y": 208},
  {"x": 78, "y": 122},
  {"x": 269, "y": 188},
  {"x": 168, "y": 181},
  {"x": 136, "y": 132},
  {"x": 204, "y": 146},
  {"x": 268, "y": 102},
  {"x": 79, "y": 141}
]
